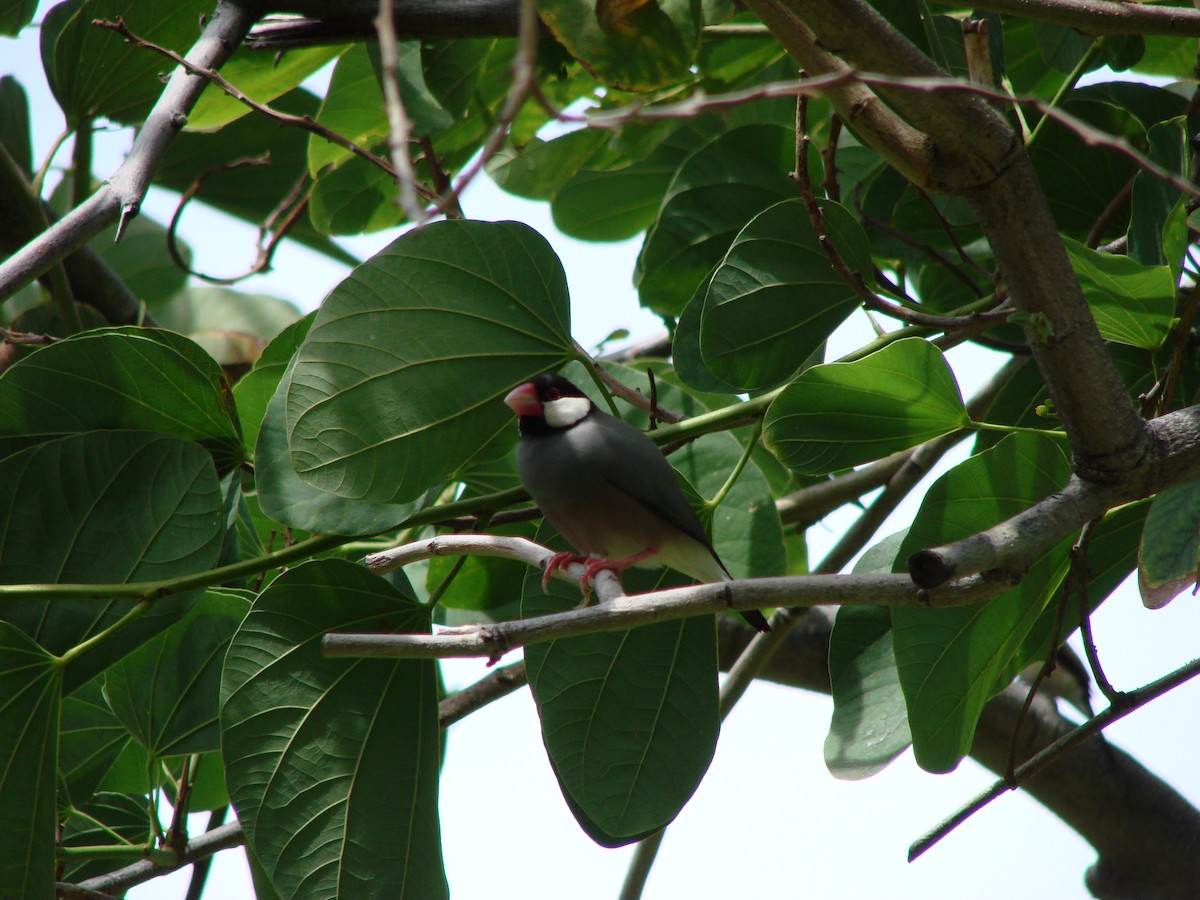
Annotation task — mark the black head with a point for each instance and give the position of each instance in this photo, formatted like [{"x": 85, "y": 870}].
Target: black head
[{"x": 548, "y": 403}]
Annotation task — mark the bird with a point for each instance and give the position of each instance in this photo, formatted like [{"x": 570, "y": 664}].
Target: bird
[{"x": 607, "y": 488}]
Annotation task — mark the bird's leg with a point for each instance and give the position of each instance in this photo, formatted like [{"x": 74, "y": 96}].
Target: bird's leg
[
  {"x": 561, "y": 561},
  {"x": 594, "y": 565}
]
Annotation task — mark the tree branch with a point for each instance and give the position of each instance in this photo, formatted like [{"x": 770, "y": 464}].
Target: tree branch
[
  {"x": 1012, "y": 545},
  {"x": 617, "y": 611},
  {"x": 121, "y": 196},
  {"x": 1097, "y": 17},
  {"x": 979, "y": 157}
]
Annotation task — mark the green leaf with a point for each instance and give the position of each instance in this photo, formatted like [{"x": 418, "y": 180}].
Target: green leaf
[
  {"x": 120, "y": 378},
  {"x": 14, "y": 120},
  {"x": 1153, "y": 201},
  {"x": 629, "y": 718},
  {"x": 617, "y": 202},
  {"x": 287, "y": 499},
  {"x": 651, "y": 47},
  {"x": 357, "y": 197},
  {"x": 1169, "y": 556},
  {"x": 720, "y": 188},
  {"x": 774, "y": 298},
  {"x": 869, "y": 728},
  {"x": 260, "y": 76},
  {"x": 102, "y": 508},
  {"x": 539, "y": 169},
  {"x": 685, "y": 346},
  {"x": 332, "y": 763},
  {"x": 255, "y": 389},
  {"x": 15, "y": 15},
  {"x": 91, "y": 740},
  {"x": 951, "y": 659},
  {"x": 94, "y": 72},
  {"x": 103, "y": 821},
  {"x": 30, "y": 684},
  {"x": 1080, "y": 180},
  {"x": 166, "y": 691},
  {"x": 400, "y": 379},
  {"x": 1133, "y": 303},
  {"x": 353, "y": 106},
  {"x": 843, "y": 414}
]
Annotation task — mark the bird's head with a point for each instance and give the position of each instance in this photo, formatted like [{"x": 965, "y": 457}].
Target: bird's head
[{"x": 548, "y": 402}]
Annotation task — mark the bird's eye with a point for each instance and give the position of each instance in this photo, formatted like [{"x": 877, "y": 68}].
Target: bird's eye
[{"x": 552, "y": 394}]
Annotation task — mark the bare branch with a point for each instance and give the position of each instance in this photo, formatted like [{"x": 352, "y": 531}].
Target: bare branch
[
  {"x": 122, "y": 194},
  {"x": 399, "y": 124}
]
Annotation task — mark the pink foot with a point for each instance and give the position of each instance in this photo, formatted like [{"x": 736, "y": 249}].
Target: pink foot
[
  {"x": 594, "y": 565},
  {"x": 561, "y": 561}
]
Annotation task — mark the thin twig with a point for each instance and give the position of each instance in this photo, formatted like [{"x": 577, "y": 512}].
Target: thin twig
[
  {"x": 399, "y": 124},
  {"x": 305, "y": 123},
  {"x": 1053, "y": 753},
  {"x": 524, "y": 76}
]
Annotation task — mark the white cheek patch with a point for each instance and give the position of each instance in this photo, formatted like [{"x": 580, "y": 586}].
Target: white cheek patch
[{"x": 565, "y": 411}]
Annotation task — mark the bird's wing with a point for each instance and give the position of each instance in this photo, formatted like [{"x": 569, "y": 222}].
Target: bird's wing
[{"x": 631, "y": 463}]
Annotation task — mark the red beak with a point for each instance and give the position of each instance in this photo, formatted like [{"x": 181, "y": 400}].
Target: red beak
[{"x": 523, "y": 400}]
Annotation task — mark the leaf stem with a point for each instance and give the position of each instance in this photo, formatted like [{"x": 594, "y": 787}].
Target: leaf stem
[
  {"x": 99, "y": 638},
  {"x": 1015, "y": 429},
  {"x": 720, "y": 495}
]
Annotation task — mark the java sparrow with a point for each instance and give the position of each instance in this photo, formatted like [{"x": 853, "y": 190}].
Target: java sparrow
[{"x": 607, "y": 488}]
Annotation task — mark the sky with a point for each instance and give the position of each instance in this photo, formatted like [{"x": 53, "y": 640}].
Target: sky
[{"x": 768, "y": 821}]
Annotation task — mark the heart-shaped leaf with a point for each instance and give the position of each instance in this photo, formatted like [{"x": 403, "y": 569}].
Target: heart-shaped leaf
[
  {"x": 30, "y": 686},
  {"x": 843, "y": 414},
  {"x": 400, "y": 379},
  {"x": 775, "y": 297},
  {"x": 332, "y": 763},
  {"x": 952, "y": 659}
]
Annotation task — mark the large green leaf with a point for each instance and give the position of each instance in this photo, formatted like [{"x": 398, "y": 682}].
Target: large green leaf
[
  {"x": 287, "y": 499},
  {"x": 102, "y": 508},
  {"x": 650, "y": 47},
  {"x": 260, "y": 76},
  {"x": 30, "y": 685},
  {"x": 775, "y": 298},
  {"x": 617, "y": 202},
  {"x": 255, "y": 389},
  {"x": 1133, "y": 303},
  {"x": 94, "y": 72},
  {"x": 843, "y": 414},
  {"x": 869, "y": 727},
  {"x": 720, "y": 188},
  {"x": 952, "y": 659},
  {"x": 120, "y": 378},
  {"x": 166, "y": 691},
  {"x": 91, "y": 743},
  {"x": 400, "y": 378},
  {"x": 14, "y": 122},
  {"x": 1169, "y": 556},
  {"x": 629, "y": 718},
  {"x": 15, "y": 15},
  {"x": 353, "y": 106},
  {"x": 332, "y": 763}
]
